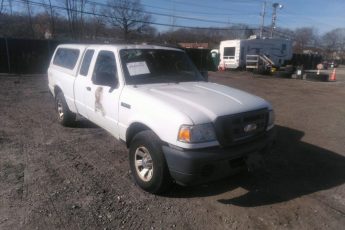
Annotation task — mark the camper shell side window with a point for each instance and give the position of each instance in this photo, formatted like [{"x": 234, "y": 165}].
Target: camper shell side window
[{"x": 66, "y": 58}]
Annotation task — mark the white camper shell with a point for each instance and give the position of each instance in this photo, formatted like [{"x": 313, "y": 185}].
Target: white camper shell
[{"x": 235, "y": 53}]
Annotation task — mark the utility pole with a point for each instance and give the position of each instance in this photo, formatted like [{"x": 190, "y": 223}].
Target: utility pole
[
  {"x": 263, "y": 18},
  {"x": 274, "y": 16}
]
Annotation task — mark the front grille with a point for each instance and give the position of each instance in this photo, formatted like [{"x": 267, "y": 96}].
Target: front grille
[{"x": 239, "y": 128}]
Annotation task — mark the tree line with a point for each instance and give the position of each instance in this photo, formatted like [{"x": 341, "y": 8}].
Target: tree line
[{"x": 127, "y": 21}]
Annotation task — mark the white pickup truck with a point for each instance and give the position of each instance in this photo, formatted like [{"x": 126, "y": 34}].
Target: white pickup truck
[{"x": 178, "y": 127}]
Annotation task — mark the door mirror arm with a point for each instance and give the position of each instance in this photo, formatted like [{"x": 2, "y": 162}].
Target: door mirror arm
[{"x": 113, "y": 86}]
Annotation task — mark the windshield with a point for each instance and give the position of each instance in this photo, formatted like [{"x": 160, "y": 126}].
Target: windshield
[{"x": 145, "y": 66}]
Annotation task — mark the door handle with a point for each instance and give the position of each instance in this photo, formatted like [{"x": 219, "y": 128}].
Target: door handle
[{"x": 88, "y": 88}]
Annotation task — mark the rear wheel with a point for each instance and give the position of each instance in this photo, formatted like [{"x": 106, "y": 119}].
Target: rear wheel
[
  {"x": 148, "y": 163},
  {"x": 65, "y": 116}
]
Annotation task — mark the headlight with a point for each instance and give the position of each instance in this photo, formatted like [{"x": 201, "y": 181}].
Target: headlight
[
  {"x": 271, "y": 117},
  {"x": 197, "y": 133}
]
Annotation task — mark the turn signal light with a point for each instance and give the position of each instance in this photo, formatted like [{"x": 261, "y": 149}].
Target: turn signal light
[{"x": 184, "y": 134}]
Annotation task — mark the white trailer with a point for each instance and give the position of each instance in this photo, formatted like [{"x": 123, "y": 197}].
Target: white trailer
[{"x": 248, "y": 53}]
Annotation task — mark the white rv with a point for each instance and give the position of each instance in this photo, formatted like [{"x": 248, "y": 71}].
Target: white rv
[{"x": 238, "y": 53}]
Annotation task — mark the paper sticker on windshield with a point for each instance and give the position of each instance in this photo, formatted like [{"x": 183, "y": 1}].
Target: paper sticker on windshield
[{"x": 137, "y": 68}]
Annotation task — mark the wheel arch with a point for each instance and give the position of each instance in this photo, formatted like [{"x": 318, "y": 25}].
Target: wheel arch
[
  {"x": 135, "y": 128},
  {"x": 57, "y": 89}
]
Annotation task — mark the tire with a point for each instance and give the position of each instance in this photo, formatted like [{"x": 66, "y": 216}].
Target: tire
[
  {"x": 147, "y": 163},
  {"x": 64, "y": 115}
]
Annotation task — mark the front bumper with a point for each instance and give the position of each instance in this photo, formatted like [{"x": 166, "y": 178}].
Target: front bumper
[{"x": 201, "y": 165}]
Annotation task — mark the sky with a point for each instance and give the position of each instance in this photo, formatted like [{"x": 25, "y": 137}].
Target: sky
[{"x": 321, "y": 15}]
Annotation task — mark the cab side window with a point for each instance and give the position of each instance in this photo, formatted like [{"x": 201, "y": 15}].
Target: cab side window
[{"x": 105, "y": 70}]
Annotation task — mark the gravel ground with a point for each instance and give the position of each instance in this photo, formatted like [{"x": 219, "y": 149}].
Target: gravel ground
[{"x": 52, "y": 177}]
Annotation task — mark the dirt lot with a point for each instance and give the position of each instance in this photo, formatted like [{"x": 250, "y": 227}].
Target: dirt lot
[{"x": 53, "y": 177}]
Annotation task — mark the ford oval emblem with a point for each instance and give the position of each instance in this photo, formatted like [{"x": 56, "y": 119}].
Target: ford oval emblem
[{"x": 250, "y": 127}]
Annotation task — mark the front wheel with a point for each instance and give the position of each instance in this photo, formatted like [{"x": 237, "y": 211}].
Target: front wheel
[{"x": 147, "y": 163}]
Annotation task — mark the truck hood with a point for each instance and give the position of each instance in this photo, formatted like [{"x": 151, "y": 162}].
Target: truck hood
[{"x": 203, "y": 102}]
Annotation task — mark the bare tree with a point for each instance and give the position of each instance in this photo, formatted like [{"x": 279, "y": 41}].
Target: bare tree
[
  {"x": 211, "y": 35},
  {"x": 15, "y": 26},
  {"x": 75, "y": 10},
  {"x": 2, "y": 6},
  {"x": 29, "y": 14},
  {"x": 10, "y": 6},
  {"x": 128, "y": 15},
  {"x": 50, "y": 11},
  {"x": 304, "y": 38},
  {"x": 284, "y": 33},
  {"x": 96, "y": 21},
  {"x": 334, "y": 43},
  {"x": 42, "y": 25},
  {"x": 81, "y": 22}
]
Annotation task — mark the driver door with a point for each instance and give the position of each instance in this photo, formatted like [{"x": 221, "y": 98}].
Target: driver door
[{"x": 103, "y": 93}]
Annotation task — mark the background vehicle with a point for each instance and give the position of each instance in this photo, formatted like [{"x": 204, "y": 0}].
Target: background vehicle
[{"x": 233, "y": 53}]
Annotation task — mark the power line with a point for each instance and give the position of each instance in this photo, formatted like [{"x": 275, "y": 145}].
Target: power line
[
  {"x": 166, "y": 15},
  {"x": 213, "y": 7},
  {"x": 286, "y": 35},
  {"x": 194, "y": 12},
  {"x": 138, "y": 21}
]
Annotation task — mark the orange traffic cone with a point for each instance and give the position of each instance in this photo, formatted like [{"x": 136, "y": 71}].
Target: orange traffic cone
[{"x": 332, "y": 76}]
